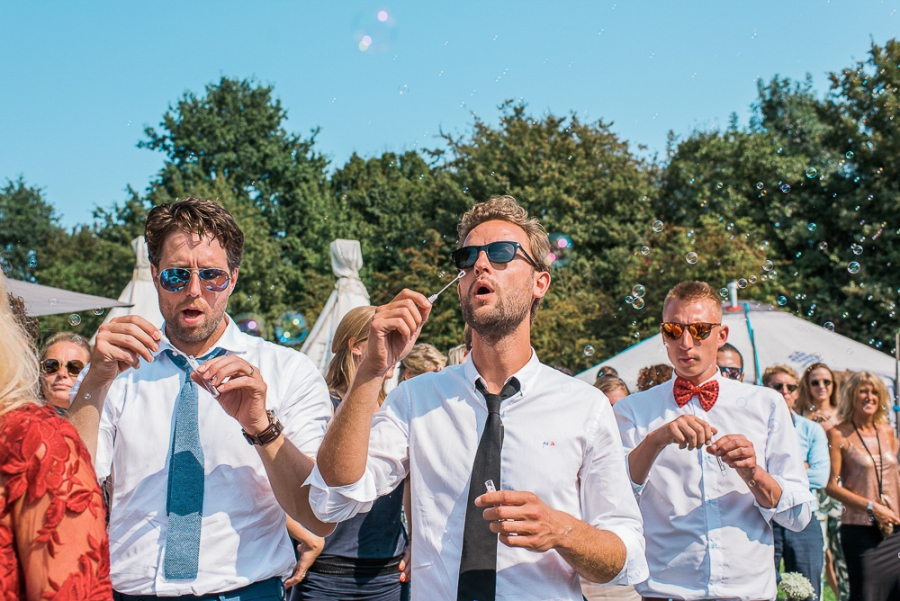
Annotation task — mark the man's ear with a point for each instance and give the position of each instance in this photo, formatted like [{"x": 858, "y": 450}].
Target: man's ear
[{"x": 541, "y": 284}]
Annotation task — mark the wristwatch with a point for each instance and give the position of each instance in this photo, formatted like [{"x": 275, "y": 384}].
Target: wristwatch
[
  {"x": 268, "y": 435},
  {"x": 870, "y": 509}
]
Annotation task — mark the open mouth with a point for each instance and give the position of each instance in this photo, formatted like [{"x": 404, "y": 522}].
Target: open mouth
[
  {"x": 482, "y": 290},
  {"x": 191, "y": 315}
]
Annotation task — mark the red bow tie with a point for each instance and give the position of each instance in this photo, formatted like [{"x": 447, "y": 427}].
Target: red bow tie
[{"x": 708, "y": 393}]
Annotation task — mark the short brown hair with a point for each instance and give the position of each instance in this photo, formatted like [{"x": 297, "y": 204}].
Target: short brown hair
[
  {"x": 653, "y": 375},
  {"x": 778, "y": 369},
  {"x": 506, "y": 208},
  {"x": 194, "y": 216},
  {"x": 693, "y": 291}
]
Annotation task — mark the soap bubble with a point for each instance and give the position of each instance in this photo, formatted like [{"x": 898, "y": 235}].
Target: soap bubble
[
  {"x": 767, "y": 266},
  {"x": 629, "y": 299},
  {"x": 248, "y": 323},
  {"x": 638, "y": 303},
  {"x": 723, "y": 292},
  {"x": 403, "y": 90},
  {"x": 657, "y": 226},
  {"x": 87, "y": 396},
  {"x": 560, "y": 247},
  {"x": 752, "y": 279},
  {"x": 857, "y": 249},
  {"x": 691, "y": 258},
  {"x": 781, "y": 300},
  {"x": 638, "y": 291},
  {"x": 589, "y": 351},
  {"x": 52, "y": 301},
  {"x": 759, "y": 185},
  {"x": 98, "y": 311},
  {"x": 786, "y": 188},
  {"x": 811, "y": 172},
  {"x": 32, "y": 262},
  {"x": 742, "y": 283},
  {"x": 828, "y": 326},
  {"x": 811, "y": 227},
  {"x": 74, "y": 319},
  {"x": 823, "y": 246},
  {"x": 741, "y": 402},
  {"x": 645, "y": 250},
  {"x": 849, "y": 154},
  {"x": 290, "y": 329},
  {"x": 853, "y": 267}
]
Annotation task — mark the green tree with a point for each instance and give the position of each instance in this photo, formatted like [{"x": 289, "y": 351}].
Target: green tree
[{"x": 27, "y": 226}]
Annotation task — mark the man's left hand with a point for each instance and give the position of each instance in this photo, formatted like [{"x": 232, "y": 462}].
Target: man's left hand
[
  {"x": 736, "y": 451},
  {"x": 522, "y": 519},
  {"x": 242, "y": 391}
]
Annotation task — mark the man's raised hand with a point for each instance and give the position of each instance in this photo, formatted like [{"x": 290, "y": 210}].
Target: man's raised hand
[
  {"x": 395, "y": 329},
  {"x": 121, "y": 344}
]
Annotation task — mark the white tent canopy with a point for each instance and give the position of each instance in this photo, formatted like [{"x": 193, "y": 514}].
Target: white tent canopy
[
  {"x": 764, "y": 335},
  {"x": 140, "y": 293},
  {"x": 46, "y": 300},
  {"x": 349, "y": 293}
]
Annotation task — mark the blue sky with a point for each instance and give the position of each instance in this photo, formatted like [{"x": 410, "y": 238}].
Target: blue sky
[{"x": 80, "y": 81}]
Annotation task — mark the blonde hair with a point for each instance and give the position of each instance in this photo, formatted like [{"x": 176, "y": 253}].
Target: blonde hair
[
  {"x": 851, "y": 391},
  {"x": 609, "y": 383},
  {"x": 694, "y": 291},
  {"x": 805, "y": 396},
  {"x": 456, "y": 355},
  {"x": 353, "y": 329},
  {"x": 778, "y": 369},
  {"x": 423, "y": 358},
  {"x": 506, "y": 208},
  {"x": 19, "y": 383},
  {"x": 70, "y": 337}
]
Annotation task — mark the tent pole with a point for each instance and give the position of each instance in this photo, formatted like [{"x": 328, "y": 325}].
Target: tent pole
[{"x": 752, "y": 344}]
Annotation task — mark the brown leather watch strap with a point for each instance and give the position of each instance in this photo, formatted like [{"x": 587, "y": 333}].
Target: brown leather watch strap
[{"x": 268, "y": 435}]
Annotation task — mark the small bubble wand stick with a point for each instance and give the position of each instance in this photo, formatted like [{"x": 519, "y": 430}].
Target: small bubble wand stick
[{"x": 434, "y": 296}]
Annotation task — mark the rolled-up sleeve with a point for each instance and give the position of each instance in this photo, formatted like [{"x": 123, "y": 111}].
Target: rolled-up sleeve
[
  {"x": 387, "y": 465},
  {"x": 607, "y": 501},
  {"x": 784, "y": 464}
]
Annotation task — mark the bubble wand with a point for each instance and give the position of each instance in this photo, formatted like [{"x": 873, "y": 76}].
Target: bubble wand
[{"x": 434, "y": 296}]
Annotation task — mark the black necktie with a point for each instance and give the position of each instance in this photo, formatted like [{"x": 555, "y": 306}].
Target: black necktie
[{"x": 478, "y": 566}]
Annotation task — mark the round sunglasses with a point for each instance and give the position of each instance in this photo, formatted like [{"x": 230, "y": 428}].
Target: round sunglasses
[
  {"x": 174, "y": 279},
  {"x": 781, "y": 386},
  {"x": 497, "y": 252},
  {"x": 51, "y": 366}
]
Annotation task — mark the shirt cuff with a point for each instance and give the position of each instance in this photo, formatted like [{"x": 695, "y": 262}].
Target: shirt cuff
[
  {"x": 635, "y": 569},
  {"x": 636, "y": 489},
  {"x": 339, "y": 503},
  {"x": 789, "y": 512}
]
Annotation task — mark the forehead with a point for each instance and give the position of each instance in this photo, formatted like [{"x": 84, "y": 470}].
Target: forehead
[
  {"x": 702, "y": 310},
  {"x": 186, "y": 249},
  {"x": 65, "y": 349},
  {"x": 781, "y": 377},
  {"x": 729, "y": 356},
  {"x": 497, "y": 231}
]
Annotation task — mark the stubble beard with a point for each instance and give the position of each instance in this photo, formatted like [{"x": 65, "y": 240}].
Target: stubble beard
[
  {"x": 502, "y": 320},
  {"x": 196, "y": 334}
]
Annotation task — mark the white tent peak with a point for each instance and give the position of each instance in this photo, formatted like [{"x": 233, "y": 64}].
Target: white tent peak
[
  {"x": 140, "y": 292},
  {"x": 349, "y": 293}
]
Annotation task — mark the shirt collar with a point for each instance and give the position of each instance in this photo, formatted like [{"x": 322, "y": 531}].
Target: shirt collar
[
  {"x": 230, "y": 340},
  {"x": 527, "y": 375}
]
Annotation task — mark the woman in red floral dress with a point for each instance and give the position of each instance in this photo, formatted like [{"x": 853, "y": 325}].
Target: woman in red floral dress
[{"x": 53, "y": 543}]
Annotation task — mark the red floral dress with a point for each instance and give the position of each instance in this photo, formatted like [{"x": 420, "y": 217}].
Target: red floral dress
[{"x": 53, "y": 542}]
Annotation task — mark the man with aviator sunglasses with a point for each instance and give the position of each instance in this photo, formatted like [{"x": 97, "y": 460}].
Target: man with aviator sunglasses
[
  {"x": 517, "y": 480},
  {"x": 167, "y": 415},
  {"x": 714, "y": 462}
]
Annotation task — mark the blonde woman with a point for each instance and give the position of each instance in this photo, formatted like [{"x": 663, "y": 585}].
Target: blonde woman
[
  {"x": 422, "y": 359},
  {"x": 53, "y": 541},
  {"x": 865, "y": 477},
  {"x": 366, "y": 558},
  {"x": 64, "y": 356}
]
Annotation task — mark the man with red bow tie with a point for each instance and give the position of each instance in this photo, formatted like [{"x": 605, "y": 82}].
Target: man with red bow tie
[{"x": 714, "y": 462}]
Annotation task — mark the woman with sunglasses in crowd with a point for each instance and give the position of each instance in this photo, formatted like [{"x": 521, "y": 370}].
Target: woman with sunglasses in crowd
[
  {"x": 53, "y": 541},
  {"x": 803, "y": 551},
  {"x": 64, "y": 356},
  {"x": 865, "y": 477},
  {"x": 818, "y": 399}
]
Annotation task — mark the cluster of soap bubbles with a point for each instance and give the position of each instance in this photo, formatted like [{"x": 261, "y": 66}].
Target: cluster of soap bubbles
[
  {"x": 290, "y": 329},
  {"x": 560, "y": 249},
  {"x": 635, "y": 299}
]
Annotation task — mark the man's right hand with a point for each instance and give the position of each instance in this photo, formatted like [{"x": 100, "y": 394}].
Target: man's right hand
[
  {"x": 394, "y": 330},
  {"x": 688, "y": 432},
  {"x": 121, "y": 344}
]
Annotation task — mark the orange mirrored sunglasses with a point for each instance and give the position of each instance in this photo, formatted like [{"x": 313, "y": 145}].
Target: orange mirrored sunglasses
[{"x": 698, "y": 331}]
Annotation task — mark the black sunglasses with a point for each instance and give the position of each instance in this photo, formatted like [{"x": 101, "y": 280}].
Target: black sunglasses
[
  {"x": 732, "y": 373},
  {"x": 174, "y": 279},
  {"x": 815, "y": 383},
  {"x": 699, "y": 331},
  {"x": 780, "y": 386},
  {"x": 51, "y": 366},
  {"x": 497, "y": 252}
]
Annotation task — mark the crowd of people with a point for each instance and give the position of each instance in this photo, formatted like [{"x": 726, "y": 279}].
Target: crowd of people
[{"x": 200, "y": 462}]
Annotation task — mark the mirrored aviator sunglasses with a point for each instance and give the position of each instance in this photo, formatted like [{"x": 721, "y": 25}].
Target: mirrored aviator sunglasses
[
  {"x": 732, "y": 373},
  {"x": 174, "y": 279},
  {"x": 51, "y": 366},
  {"x": 698, "y": 331}
]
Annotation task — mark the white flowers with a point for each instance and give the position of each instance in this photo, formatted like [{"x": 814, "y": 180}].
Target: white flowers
[{"x": 796, "y": 587}]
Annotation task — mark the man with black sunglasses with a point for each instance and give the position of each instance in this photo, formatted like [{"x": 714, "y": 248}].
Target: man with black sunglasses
[
  {"x": 517, "y": 479},
  {"x": 167, "y": 415},
  {"x": 714, "y": 462}
]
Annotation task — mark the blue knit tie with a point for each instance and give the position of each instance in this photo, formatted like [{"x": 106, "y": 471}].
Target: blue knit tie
[{"x": 184, "y": 498}]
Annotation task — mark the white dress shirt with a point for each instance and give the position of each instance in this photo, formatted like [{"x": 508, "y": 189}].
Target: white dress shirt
[
  {"x": 243, "y": 537},
  {"x": 707, "y": 538},
  {"x": 560, "y": 442}
]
